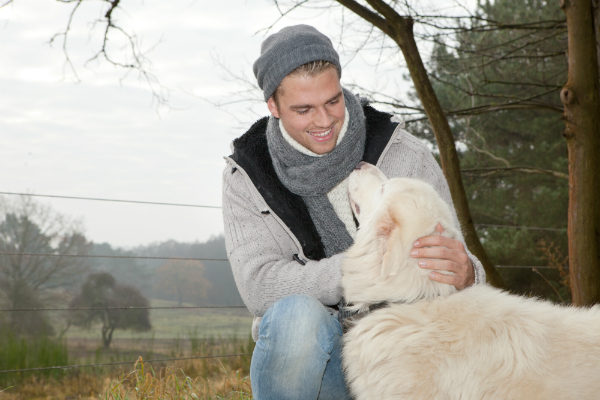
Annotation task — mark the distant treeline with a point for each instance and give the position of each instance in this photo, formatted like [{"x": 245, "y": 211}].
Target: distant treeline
[{"x": 143, "y": 273}]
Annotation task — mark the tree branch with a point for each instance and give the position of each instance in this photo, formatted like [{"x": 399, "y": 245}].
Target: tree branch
[
  {"x": 139, "y": 62},
  {"x": 368, "y": 15},
  {"x": 386, "y": 10}
]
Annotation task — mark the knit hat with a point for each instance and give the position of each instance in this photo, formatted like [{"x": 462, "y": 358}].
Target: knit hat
[{"x": 286, "y": 50}]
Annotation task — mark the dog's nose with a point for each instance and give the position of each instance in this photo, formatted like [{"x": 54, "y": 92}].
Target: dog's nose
[{"x": 360, "y": 165}]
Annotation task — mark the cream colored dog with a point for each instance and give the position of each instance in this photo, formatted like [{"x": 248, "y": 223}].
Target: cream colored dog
[{"x": 432, "y": 342}]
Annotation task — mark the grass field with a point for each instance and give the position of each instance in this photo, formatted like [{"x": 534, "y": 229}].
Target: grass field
[
  {"x": 170, "y": 324},
  {"x": 175, "y": 333},
  {"x": 208, "y": 379}
]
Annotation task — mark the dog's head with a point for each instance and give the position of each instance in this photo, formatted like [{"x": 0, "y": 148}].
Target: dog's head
[{"x": 392, "y": 214}]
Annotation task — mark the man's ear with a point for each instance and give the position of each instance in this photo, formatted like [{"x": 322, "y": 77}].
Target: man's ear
[
  {"x": 392, "y": 256},
  {"x": 273, "y": 107}
]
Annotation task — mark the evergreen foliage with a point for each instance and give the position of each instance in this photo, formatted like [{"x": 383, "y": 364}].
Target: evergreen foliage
[{"x": 520, "y": 69}]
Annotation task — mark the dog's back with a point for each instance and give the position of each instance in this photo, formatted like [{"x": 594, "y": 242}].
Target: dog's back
[
  {"x": 479, "y": 343},
  {"x": 476, "y": 344}
]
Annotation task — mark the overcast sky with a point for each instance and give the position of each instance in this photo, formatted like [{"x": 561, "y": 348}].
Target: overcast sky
[{"x": 98, "y": 135}]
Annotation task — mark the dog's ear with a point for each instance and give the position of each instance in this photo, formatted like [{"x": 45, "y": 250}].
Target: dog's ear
[
  {"x": 392, "y": 258},
  {"x": 392, "y": 247}
]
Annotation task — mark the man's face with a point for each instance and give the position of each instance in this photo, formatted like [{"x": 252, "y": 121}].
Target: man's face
[{"x": 311, "y": 109}]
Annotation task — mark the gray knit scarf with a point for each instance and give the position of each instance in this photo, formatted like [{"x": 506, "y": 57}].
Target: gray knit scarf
[{"x": 313, "y": 177}]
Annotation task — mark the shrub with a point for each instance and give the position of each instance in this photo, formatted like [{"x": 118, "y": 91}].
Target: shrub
[{"x": 20, "y": 352}]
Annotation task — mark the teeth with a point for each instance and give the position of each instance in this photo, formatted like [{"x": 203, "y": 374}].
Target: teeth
[{"x": 320, "y": 134}]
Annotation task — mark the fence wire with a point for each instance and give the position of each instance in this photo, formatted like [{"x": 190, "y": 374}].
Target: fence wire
[
  {"x": 122, "y": 363},
  {"x": 218, "y": 207},
  {"x": 198, "y": 259},
  {"x": 105, "y": 256},
  {"x": 117, "y": 308},
  {"x": 111, "y": 200},
  {"x": 522, "y": 227},
  {"x": 529, "y": 266},
  {"x": 173, "y": 258}
]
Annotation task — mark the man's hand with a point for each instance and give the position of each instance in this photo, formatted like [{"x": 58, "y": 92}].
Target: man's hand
[{"x": 444, "y": 254}]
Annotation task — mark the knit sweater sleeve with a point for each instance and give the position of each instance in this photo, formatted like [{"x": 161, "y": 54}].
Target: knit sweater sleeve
[
  {"x": 261, "y": 252},
  {"x": 409, "y": 157}
]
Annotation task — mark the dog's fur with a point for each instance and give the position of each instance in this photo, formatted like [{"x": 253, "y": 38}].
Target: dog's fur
[{"x": 435, "y": 343}]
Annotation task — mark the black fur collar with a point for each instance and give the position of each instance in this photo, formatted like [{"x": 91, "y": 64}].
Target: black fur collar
[{"x": 252, "y": 154}]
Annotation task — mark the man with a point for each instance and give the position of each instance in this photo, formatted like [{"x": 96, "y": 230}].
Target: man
[{"x": 288, "y": 219}]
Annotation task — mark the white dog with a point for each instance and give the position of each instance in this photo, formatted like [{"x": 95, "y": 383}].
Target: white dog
[{"x": 432, "y": 342}]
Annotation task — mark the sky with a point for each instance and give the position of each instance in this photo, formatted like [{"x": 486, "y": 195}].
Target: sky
[{"x": 91, "y": 130}]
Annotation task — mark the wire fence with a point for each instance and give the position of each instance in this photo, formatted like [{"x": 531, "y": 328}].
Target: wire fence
[
  {"x": 110, "y": 200},
  {"x": 529, "y": 266},
  {"x": 200, "y": 259},
  {"x": 522, "y": 227},
  {"x": 219, "y": 207},
  {"x": 57, "y": 309},
  {"x": 120, "y": 308},
  {"x": 532, "y": 267},
  {"x": 122, "y": 363},
  {"x": 106, "y": 256}
]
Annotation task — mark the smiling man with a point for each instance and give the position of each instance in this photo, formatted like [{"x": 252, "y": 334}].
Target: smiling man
[
  {"x": 312, "y": 111},
  {"x": 288, "y": 218}
]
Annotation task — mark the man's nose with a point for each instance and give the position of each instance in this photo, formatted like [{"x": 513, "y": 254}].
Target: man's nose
[{"x": 323, "y": 119}]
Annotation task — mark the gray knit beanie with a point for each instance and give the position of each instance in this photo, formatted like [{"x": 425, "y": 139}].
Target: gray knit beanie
[{"x": 286, "y": 50}]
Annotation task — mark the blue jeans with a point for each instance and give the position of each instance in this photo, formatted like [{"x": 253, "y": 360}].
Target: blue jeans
[{"x": 298, "y": 353}]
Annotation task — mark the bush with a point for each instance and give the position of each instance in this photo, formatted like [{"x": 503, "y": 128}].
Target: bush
[{"x": 20, "y": 352}]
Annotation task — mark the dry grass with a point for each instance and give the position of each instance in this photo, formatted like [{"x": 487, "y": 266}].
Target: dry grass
[
  {"x": 555, "y": 258},
  {"x": 213, "y": 378},
  {"x": 80, "y": 386},
  {"x": 173, "y": 384}
]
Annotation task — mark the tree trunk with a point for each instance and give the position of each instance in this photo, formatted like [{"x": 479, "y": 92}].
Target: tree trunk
[
  {"x": 581, "y": 98},
  {"x": 107, "y": 332},
  {"x": 400, "y": 29},
  {"x": 596, "y": 5}
]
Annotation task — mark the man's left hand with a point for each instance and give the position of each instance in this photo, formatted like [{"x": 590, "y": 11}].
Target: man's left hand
[{"x": 442, "y": 253}]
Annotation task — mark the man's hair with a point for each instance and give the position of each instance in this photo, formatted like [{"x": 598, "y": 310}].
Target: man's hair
[{"x": 310, "y": 69}]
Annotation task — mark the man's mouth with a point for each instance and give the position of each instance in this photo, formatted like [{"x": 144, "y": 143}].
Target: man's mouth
[{"x": 322, "y": 135}]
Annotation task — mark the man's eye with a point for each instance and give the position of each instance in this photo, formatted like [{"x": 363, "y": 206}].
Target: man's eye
[
  {"x": 302, "y": 111},
  {"x": 335, "y": 101}
]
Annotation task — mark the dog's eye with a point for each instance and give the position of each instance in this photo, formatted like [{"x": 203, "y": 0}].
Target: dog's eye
[{"x": 356, "y": 208}]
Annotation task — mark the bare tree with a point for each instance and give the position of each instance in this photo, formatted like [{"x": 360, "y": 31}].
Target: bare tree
[
  {"x": 581, "y": 112},
  {"x": 119, "y": 46},
  {"x": 37, "y": 245},
  {"x": 399, "y": 28}
]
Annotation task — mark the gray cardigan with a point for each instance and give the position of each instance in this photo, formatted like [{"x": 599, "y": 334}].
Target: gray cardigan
[{"x": 267, "y": 259}]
